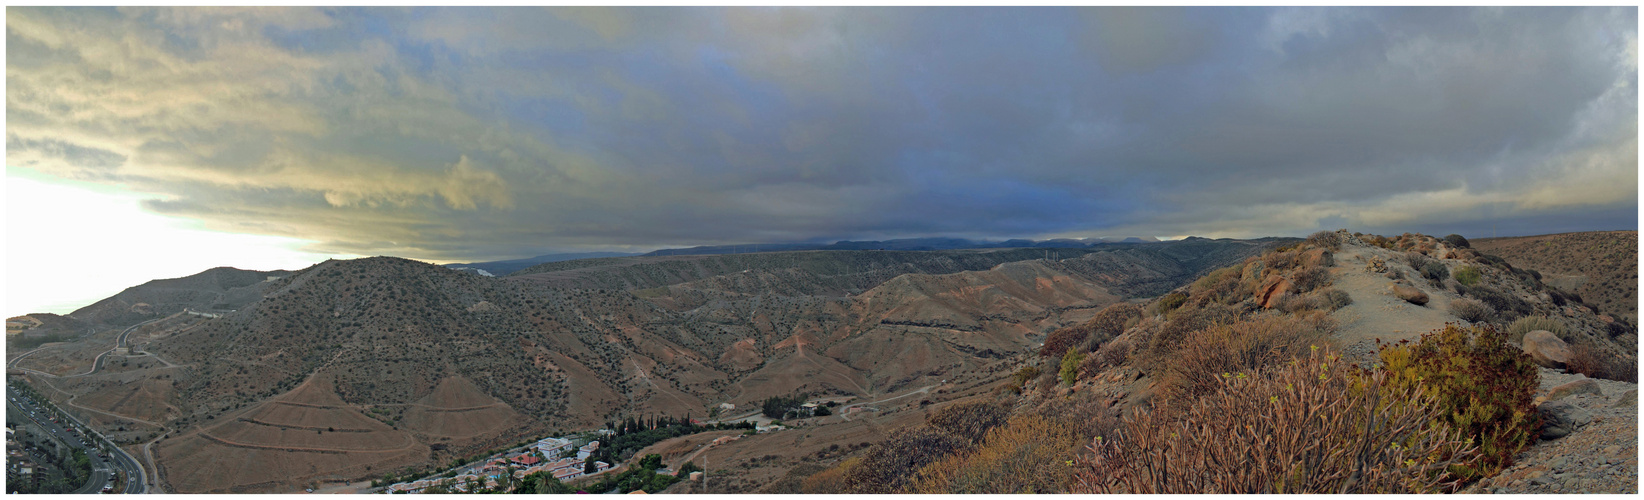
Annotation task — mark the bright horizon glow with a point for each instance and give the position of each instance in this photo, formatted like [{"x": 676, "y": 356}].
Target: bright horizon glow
[{"x": 70, "y": 244}]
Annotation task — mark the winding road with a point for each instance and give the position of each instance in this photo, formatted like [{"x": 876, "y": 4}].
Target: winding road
[{"x": 137, "y": 478}]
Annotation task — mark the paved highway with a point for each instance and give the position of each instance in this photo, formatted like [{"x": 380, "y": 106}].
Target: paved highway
[
  {"x": 86, "y": 437},
  {"x": 75, "y": 436}
]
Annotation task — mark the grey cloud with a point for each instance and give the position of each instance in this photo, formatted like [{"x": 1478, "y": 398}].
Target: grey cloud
[{"x": 454, "y": 134}]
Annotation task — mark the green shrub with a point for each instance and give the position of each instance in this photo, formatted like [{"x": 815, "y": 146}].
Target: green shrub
[
  {"x": 1471, "y": 310},
  {"x": 1468, "y": 275},
  {"x": 1527, "y": 324},
  {"x": 1070, "y": 366},
  {"x": 1312, "y": 425},
  {"x": 1485, "y": 389}
]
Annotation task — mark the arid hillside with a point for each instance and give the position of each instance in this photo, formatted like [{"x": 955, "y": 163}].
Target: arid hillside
[
  {"x": 1600, "y": 266},
  {"x": 1501, "y": 384},
  {"x": 217, "y": 289},
  {"x": 416, "y": 364}
]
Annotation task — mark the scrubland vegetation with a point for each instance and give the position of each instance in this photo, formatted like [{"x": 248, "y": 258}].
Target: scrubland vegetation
[{"x": 1241, "y": 389}]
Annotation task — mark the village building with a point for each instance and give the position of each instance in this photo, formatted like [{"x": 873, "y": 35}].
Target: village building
[{"x": 553, "y": 447}]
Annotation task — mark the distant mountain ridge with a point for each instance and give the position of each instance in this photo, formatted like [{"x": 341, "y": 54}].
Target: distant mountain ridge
[
  {"x": 506, "y": 267},
  {"x": 907, "y": 244}
]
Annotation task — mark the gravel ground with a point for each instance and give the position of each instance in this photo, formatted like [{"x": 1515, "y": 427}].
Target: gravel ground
[{"x": 1601, "y": 457}]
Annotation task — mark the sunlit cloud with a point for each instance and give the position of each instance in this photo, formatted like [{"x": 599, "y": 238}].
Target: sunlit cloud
[{"x": 459, "y": 134}]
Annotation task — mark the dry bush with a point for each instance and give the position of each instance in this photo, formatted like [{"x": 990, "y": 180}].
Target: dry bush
[
  {"x": 1471, "y": 310},
  {"x": 1059, "y": 341},
  {"x": 1087, "y": 336},
  {"x": 890, "y": 466},
  {"x": 1242, "y": 347},
  {"x": 1328, "y": 299},
  {"x": 1027, "y": 455},
  {"x": 1295, "y": 303},
  {"x": 1310, "y": 278},
  {"x": 1527, "y": 324},
  {"x": 1278, "y": 260},
  {"x": 1509, "y": 305},
  {"x": 969, "y": 420},
  {"x": 1589, "y": 360},
  {"x": 1169, "y": 302},
  {"x": 1181, "y": 324},
  {"x": 1111, "y": 320},
  {"x": 1336, "y": 299},
  {"x": 830, "y": 481},
  {"x": 1222, "y": 285},
  {"x": 1087, "y": 413},
  {"x": 1111, "y": 355},
  {"x": 1314, "y": 425},
  {"x": 1326, "y": 239}
]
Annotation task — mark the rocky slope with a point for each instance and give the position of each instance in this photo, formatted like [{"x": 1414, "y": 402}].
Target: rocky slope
[
  {"x": 1600, "y": 266},
  {"x": 379, "y": 350}
]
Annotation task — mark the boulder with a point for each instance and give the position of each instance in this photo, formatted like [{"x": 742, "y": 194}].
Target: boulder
[
  {"x": 1627, "y": 399},
  {"x": 1276, "y": 286},
  {"x": 1583, "y": 386},
  {"x": 1560, "y": 418},
  {"x": 1318, "y": 257},
  {"x": 1376, "y": 265},
  {"x": 1410, "y": 294},
  {"x": 1547, "y": 349}
]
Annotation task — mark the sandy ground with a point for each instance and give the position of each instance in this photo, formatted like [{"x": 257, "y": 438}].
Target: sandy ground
[{"x": 1375, "y": 312}]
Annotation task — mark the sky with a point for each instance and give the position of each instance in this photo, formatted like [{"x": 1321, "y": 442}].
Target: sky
[{"x": 275, "y": 137}]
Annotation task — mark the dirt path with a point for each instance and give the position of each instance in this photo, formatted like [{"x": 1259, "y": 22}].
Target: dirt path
[
  {"x": 1375, "y": 312},
  {"x": 844, "y": 412}
]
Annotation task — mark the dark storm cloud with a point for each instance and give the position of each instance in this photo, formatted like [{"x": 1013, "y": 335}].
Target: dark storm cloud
[{"x": 482, "y": 133}]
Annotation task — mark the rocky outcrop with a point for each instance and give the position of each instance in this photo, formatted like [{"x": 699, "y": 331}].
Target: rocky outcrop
[
  {"x": 1410, "y": 294},
  {"x": 1560, "y": 418},
  {"x": 1546, "y": 349},
  {"x": 1318, "y": 257},
  {"x": 1272, "y": 289}
]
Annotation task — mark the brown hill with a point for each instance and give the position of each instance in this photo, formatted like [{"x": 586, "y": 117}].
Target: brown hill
[
  {"x": 216, "y": 289},
  {"x": 1600, "y": 266},
  {"x": 419, "y": 364}
]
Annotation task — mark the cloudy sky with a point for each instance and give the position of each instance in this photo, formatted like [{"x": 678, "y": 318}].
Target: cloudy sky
[{"x": 480, "y": 134}]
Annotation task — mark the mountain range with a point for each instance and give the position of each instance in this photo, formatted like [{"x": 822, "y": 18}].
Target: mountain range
[
  {"x": 504, "y": 267},
  {"x": 352, "y": 368}
]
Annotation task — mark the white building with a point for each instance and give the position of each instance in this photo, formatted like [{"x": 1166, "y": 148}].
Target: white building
[{"x": 553, "y": 447}]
